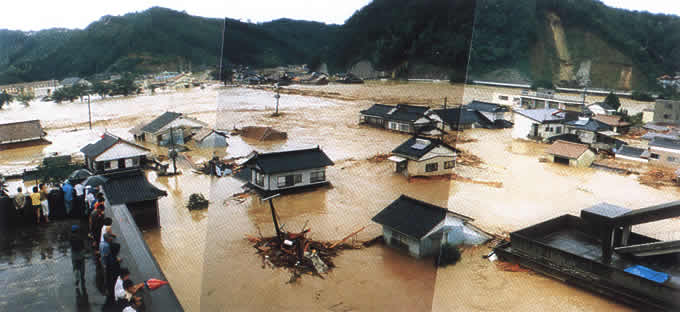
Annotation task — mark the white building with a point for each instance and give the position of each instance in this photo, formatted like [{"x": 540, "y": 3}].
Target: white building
[
  {"x": 538, "y": 124},
  {"x": 420, "y": 156}
]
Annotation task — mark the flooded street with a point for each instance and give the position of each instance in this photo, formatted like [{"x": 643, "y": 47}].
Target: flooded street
[{"x": 212, "y": 267}]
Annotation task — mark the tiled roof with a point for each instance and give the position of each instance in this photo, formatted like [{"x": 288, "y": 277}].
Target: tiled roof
[
  {"x": 130, "y": 187},
  {"x": 422, "y": 146},
  {"x": 160, "y": 122},
  {"x": 567, "y": 149},
  {"x": 486, "y": 107},
  {"x": 22, "y": 130},
  {"x": 611, "y": 120},
  {"x": 630, "y": 151},
  {"x": 287, "y": 161},
  {"x": 452, "y": 116},
  {"x": 542, "y": 114},
  {"x": 401, "y": 112},
  {"x": 589, "y": 124},
  {"x": 412, "y": 217},
  {"x": 106, "y": 142},
  {"x": 665, "y": 143}
]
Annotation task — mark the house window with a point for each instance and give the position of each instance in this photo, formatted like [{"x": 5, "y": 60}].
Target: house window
[
  {"x": 431, "y": 167},
  {"x": 654, "y": 156},
  {"x": 549, "y": 129},
  {"x": 393, "y": 125},
  {"x": 317, "y": 176},
  {"x": 403, "y": 127},
  {"x": 107, "y": 165},
  {"x": 558, "y": 130},
  {"x": 666, "y": 116},
  {"x": 289, "y": 180},
  {"x": 671, "y": 159},
  {"x": 669, "y": 106},
  {"x": 503, "y": 97},
  {"x": 259, "y": 178},
  {"x": 449, "y": 164}
]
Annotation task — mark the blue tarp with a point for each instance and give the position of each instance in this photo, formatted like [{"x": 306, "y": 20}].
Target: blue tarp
[{"x": 647, "y": 273}]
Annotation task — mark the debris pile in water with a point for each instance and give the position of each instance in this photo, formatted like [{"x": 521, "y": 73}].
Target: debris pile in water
[{"x": 197, "y": 201}]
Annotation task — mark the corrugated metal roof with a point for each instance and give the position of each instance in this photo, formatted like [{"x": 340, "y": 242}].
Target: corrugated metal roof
[
  {"x": 416, "y": 147},
  {"x": 160, "y": 122}
]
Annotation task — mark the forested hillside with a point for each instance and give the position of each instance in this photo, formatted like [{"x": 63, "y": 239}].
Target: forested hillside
[{"x": 572, "y": 43}]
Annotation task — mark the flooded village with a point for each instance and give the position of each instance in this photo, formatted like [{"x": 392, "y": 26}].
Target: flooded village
[{"x": 422, "y": 164}]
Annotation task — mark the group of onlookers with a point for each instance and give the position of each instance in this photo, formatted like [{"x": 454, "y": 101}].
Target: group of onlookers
[
  {"x": 41, "y": 203},
  {"x": 119, "y": 289}
]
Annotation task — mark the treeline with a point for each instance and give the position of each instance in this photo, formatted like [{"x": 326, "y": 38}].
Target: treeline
[
  {"x": 391, "y": 35},
  {"x": 154, "y": 40},
  {"x": 506, "y": 33},
  {"x": 435, "y": 32}
]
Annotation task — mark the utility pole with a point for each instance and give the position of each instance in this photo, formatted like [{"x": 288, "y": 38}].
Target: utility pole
[
  {"x": 224, "y": 27},
  {"x": 276, "y": 223},
  {"x": 89, "y": 111},
  {"x": 277, "y": 97},
  {"x": 173, "y": 151}
]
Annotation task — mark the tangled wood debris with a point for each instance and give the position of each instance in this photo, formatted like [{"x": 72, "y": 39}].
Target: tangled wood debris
[
  {"x": 197, "y": 201},
  {"x": 379, "y": 158},
  {"x": 658, "y": 178},
  {"x": 467, "y": 159}
]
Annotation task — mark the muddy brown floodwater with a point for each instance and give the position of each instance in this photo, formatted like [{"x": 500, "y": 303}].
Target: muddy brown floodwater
[{"x": 212, "y": 267}]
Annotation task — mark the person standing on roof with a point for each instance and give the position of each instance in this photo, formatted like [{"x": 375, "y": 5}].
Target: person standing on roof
[{"x": 68, "y": 197}]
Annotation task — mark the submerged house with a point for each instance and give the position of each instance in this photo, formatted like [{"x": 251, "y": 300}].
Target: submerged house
[
  {"x": 22, "y": 133},
  {"x": 402, "y": 117},
  {"x": 421, "y": 156},
  {"x": 132, "y": 189},
  {"x": 288, "y": 169},
  {"x": 632, "y": 154},
  {"x": 422, "y": 229},
  {"x": 210, "y": 138},
  {"x": 111, "y": 154},
  {"x": 595, "y": 133},
  {"x": 538, "y": 124},
  {"x": 664, "y": 152},
  {"x": 491, "y": 115},
  {"x": 614, "y": 122},
  {"x": 571, "y": 154},
  {"x": 457, "y": 118},
  {"x": 598, "y": 251},
  {"x": 166, "y": 126}
]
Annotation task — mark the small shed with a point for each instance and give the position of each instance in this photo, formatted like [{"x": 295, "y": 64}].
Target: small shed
[
  {"x": 422, "y": 229},
  {"x": 571, "y": 154}
]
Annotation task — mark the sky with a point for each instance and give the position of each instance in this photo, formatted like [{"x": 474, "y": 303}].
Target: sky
[{"x": 28, "y": 15}]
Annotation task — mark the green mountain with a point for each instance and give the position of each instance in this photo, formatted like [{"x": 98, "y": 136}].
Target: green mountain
[
  {"x": 567, "y": 42},
  {"x": 153, "y": 40},
  {"x": 573, "y": 43}
]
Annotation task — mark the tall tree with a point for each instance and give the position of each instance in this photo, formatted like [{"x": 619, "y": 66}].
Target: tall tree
[{"x": 613, "y": 101}]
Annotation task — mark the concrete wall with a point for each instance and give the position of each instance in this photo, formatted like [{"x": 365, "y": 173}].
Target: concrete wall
[{"x": 666, "y": 111}]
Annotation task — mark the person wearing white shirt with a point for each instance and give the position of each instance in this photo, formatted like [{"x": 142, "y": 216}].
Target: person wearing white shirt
[
  {"x": 106, "y": 229},
  {"x": 135, "y": 303},
  {"x": 118, "y": 289}
]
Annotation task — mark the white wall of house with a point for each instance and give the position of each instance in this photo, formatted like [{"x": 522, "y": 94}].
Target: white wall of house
[
  {"x": 418, "y": 168},
  {"x": 587, "y": 137},
  {"x": 304, "y": 178},
  {"x": 624, "y": 157},
  {"x": 523, "y": 128},
  {"x": 506, "y": 99},
  {"x": 121, "y": 150},
  {"x": 111, "y": 165},
  {"x": 665, "y": 157}
]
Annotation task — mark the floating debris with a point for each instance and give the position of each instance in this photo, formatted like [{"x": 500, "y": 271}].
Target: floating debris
[{"x": 197, "y": 201}]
